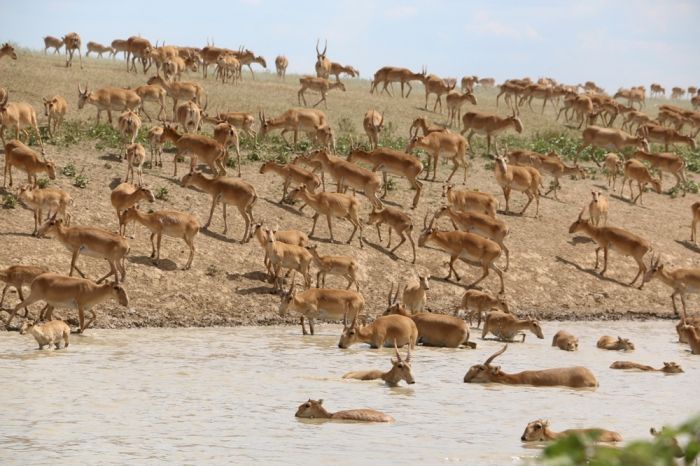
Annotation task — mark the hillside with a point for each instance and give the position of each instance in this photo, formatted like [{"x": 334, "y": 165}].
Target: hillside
[{"x": 550, "y": 270}]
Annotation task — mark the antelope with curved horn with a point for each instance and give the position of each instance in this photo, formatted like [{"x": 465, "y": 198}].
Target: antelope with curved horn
[
  {"x": 400, "y": 370},
  {"x": 94, "y": 242},
  {"x": 58, "y": 290},
  {"x": 479, "y": 223},
  {"x": 421, "y": 123},
  {"x": 228, "y": 191},
  {"x": 538, "y": 431},
  {"x": 572, "y": 377},
  {"x": 489, "y": 125},
  {"x": 462, "y": 245},
  {"x": 398, "y": 221},
  {"x": 313, "y": 409},
  {"x": 331, "y": 205},
  {"x": 683, "y": 281},
  {"x": 450, "y": 145},
  {"x": 390, "y": 161},
  {"x": 323, "y": 64},
  {"x": 618, "y": 239},
  {"x": 506, "y": 326},
  {"x": 109, "y": 98}
]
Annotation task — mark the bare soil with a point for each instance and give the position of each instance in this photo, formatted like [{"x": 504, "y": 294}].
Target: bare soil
[{"x": 551, "y": 272}]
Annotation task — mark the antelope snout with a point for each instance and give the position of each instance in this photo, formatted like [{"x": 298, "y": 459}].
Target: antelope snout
[{"x": 523, "y": 439}]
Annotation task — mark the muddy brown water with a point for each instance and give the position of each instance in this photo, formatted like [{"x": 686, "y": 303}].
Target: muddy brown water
[{"x": 223, "y": 395}]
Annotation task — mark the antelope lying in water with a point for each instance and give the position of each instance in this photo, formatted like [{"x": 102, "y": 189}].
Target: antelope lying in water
[
  {"x": 385, "y": 329},
  {"x": 572, "y": 377},
  {"x": 313, "y": 409},
  {"x": 565, "y": 341},
  {"x": 538, "y": 431},
  {"x": 506, "y": 326},
  {"x": 668, "y": 368},
  {"x": 400, "y": 370},
  {"x": 615, "y": 344}
]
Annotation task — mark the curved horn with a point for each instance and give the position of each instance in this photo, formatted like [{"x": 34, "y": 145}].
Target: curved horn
[
  {"x": 425, "y": 220},
  {"x": 396, "y": 350},
  {"x": 580, "y": 214},
  {"x": 317, "y": 41},
  {"x": 396, "y": 295},
  {"x": 408, "y": 355},
  {"x": 391, "y": 290},
  {"x": 496, "y": 354},
  {"x": 325, "y": 47},
  {"x": 80, "y": 90},
  {"x": 345, "y": 320}
]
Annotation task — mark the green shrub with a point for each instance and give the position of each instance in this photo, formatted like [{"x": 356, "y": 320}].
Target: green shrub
[
  {"x": 9, "y": 201},
  {"x": 162, "y": 193},
  {"x": 42, "y": 182},
  {"x": 81, "y": 181},
  {"x": 69, "y": 170}
]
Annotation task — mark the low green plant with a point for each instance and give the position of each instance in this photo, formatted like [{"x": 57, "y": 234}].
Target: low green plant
[
  {"x": 9, "y": 201},
  {"x": 81, "y": 181},
  {"x": 42, "y": 182},
  {"x": 580, "y": 449},
  {"x": 69, "y": 170},
  {"x": 162, "y": 193}
]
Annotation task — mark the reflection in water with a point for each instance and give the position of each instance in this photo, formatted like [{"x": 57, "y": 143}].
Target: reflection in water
[{"x": 224, "y": 395}]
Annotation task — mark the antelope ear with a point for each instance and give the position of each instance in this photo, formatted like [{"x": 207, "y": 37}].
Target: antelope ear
[
  {"x": 320, "y": 401},
  {"x": 495, "y": 369}
]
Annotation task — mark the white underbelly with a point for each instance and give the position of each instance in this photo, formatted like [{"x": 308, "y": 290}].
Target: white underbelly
[{"x": 90, "y": 252}]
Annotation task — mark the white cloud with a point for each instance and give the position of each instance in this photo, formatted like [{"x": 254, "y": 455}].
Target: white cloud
[{"x": 484, "y": 24}]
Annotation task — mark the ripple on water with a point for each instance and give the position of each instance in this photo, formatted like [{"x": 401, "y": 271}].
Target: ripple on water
[{"x": 224, "y": 394}]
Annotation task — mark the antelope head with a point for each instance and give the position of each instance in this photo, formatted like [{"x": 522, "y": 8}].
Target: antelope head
[
  {"x": 655, "y": 268},
  {"x": 401, "y": 368},
  {"x": 350, "y": 332},
  {"x": 424, "y": 281},
  {"x": 672, "y": 368},
  {"x": 535, "y": 431},
  {"x": 320, "y": 56},
  {"x": 393, "y": 304},
  {"x": 484, "y": 373},
  {"x": 428, "y": 230},
  {"x": 312, "y": 409},
  {"x": 264, "y": 123},
  {"x": 580, "y": 223},
  {"x": 535, "y": 327},
  {"x": 82, "y": 95}
]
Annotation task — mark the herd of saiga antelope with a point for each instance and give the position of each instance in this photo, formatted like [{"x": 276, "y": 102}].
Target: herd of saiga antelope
[{"x": 478, "y": 236}]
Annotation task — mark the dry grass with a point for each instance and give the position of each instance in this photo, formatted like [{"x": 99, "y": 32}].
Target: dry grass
[{"x": 550, "y": 270}]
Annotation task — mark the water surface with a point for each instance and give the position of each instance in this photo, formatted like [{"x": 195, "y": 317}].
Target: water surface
[{"x": 228, "y": 395}]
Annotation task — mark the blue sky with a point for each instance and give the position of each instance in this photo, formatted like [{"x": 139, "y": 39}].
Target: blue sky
[{"x": 615, "y": 43}]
